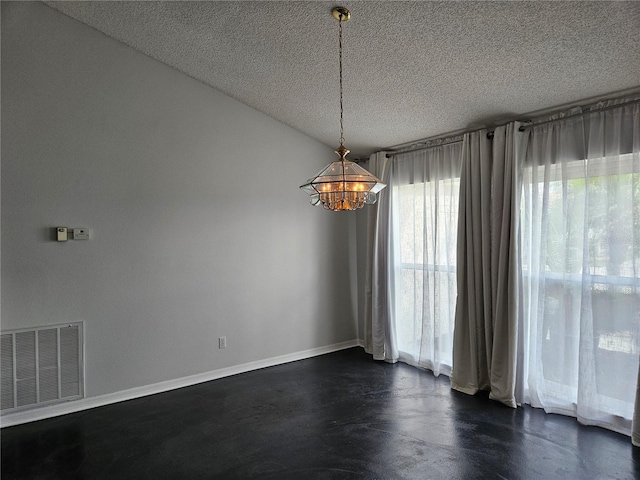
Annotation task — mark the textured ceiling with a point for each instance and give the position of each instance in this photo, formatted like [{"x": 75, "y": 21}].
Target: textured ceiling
[{"x": 412, "y": 69}]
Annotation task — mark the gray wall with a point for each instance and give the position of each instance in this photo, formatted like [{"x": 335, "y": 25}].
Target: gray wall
[{"x": 198, "y": 227}]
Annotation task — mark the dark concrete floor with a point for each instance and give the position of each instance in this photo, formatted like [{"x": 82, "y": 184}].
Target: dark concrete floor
[{"x": 337, "y": 416}]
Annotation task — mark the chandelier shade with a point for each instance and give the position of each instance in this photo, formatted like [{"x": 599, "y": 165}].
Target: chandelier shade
[{"x": 342, "y": 185}]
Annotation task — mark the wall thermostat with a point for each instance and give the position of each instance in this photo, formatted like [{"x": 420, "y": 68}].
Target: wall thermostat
[{"x": 61, "y": 233}]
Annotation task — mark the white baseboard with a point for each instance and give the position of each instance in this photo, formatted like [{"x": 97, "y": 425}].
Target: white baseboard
[{"x": 40, "y": 413}]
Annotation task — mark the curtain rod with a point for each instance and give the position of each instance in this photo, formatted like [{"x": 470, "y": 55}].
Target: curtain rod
[
  {"x": 581, "y": 114},
  {"x": 425, "y": 147},
  {"x": 521, "y": 129}
]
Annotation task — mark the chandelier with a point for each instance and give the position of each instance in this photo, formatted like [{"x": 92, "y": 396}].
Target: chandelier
[{"x": 342, "y": 185}]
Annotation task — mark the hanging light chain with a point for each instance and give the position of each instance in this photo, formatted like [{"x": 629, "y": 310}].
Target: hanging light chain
[{"x": 341, "y": 106}]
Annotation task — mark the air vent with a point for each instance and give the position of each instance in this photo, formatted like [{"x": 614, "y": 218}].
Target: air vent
[{"x": 41, "y": 366}]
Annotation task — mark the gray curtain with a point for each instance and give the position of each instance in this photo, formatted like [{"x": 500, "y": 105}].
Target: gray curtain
[
  {"x": 486, "y": 338},
  {"x": 379, "y": 322},
  {"x": 635, "y": 425}
]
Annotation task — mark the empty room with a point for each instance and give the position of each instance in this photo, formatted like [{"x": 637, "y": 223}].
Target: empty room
[{"x": 351, "y": 240}]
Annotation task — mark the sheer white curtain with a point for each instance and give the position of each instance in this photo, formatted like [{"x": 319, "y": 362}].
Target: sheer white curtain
[
  {"x": 425, "y": 192},
  {"x": 635, "y": 424},
  {"x": 580, "y": 226}
]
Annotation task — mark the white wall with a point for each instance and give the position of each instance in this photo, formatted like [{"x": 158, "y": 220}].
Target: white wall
[{"x": 198, "y": 227}]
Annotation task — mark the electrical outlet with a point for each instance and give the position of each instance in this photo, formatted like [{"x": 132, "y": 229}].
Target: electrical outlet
[{"x": 222, "y": 342}]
